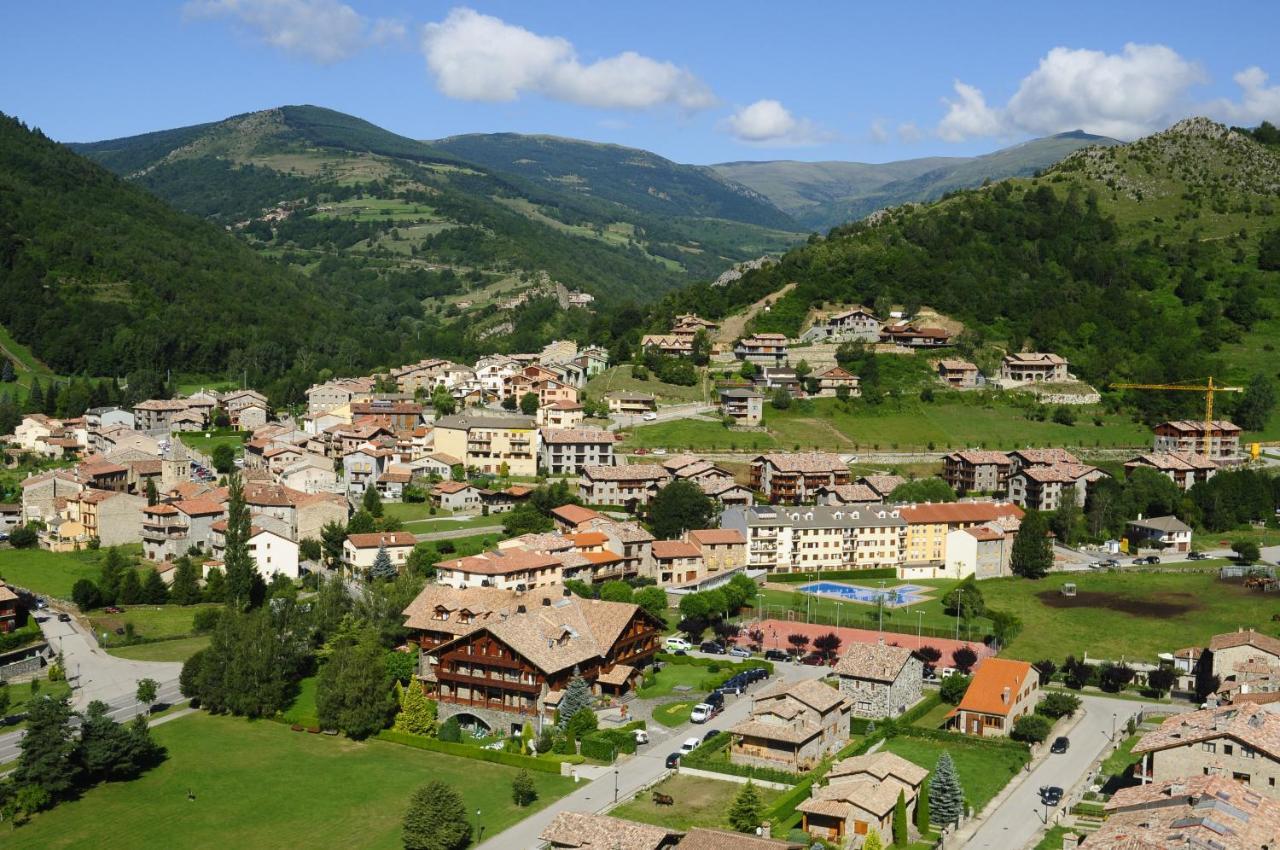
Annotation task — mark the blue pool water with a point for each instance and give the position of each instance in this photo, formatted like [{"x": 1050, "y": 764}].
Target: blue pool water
[{"x": 903, "y": 594}]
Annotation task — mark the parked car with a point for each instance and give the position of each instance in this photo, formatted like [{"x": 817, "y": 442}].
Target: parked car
[
  {"x": 1050, "y": 795},
  {"x": 650, "y": 417},
  {"x": 702, "y": 712},
  {"x": 712, "y": 647},
  {"x": 813, "y": 659},
  {"x": 689, "y": 745},
  {"x": 642, "y": 451},
  {"x": 1109, "y": 562},
  {"x": 1060, "y": 744},
  {"x": 711, "y": 733},
  {"x": 659, "y": 451},
  {"x": 113, "y": 609},
  {"x": 1197, "y": 556},
  {"x": 715, "y": 698},
  {"x": 776, "y": 655},
  {"x": 4, "y": 535},
  {"x": 674, "y": 643},
  {"x": 64, "y": 618},
  {"x": 642, "y": 737},
  {"x": 673, "y": 760},
  {"x": 739, "y": 652},
  {"x": 41, "y": 603}
]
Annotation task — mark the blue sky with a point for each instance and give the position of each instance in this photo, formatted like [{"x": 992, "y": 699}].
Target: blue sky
[{"x": 694, "y": 81}]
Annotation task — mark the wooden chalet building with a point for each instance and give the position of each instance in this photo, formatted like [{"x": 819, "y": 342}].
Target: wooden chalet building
[{"x": 513, "y": 666}]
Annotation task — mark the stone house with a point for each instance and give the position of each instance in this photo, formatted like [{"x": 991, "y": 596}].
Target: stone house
[
  {"x": 880, "y": 680},
  {"x": 859, "y": 797},
  {"x": 792, "y": 726},
  {"x": 1235, "y": 742}
]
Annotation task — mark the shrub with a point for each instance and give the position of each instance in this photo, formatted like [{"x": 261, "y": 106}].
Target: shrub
[
  {"x": 1031, "y": 728},
  {"x": 206, "y": 619},
  {"x": 451, "y": 731}
]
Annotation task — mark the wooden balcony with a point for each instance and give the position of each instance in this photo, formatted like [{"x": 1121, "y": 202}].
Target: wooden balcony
[{"x": 486, "y": 682}]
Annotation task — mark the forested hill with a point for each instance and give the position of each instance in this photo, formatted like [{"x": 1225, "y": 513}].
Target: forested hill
[
  {"x": 626, "y": 176},
  {"x": 1154, "y": 261}
]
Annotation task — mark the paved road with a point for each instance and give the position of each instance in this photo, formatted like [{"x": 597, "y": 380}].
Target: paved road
[
  {"x": 95, "y": 675},
  {"x": 636, "y": 772},
  {"x": 1017, "y": 819},
  {"x": 665, "y": 414}
]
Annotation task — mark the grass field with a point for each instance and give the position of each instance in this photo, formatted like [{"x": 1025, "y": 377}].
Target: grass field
[
  {"x": 205, "y": 445},
  {"x": 25, "y": 364},
  {"x": 20, "y": 694},
  {"x": 858, "y": 615},
  {"x": 303, "y": 709},
  {"x": 1114, "y": 771},
  {"x": 697, "y": 435},
  {"x": 410, "y": 511},
  {"x": 153, "y": 622},
  {"x": 698, "y": 802},
  {"x": 178, "y": 649},
  {"x": 674, "y": 714},
  {"x": 618, "y": 378},
  {"x": 1053, "y": 838},
  {"x": 983, "y": 769},
  {"x": 53, "y": 573},
  {"x": 430, "y": 525},
  {"x": 261, "y": 785}
]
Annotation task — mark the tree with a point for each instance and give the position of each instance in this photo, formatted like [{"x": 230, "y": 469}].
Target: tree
[
  {"x": 352, "y": 694},
  {"x": 154, "y": 590},
  {"x": 108, "y": 750},
  {"x": 966, "y": 599},
  {"x": 236, "y": 560},
  {"x": 1005, "y": 625},
  {"x": 1256, "y": 404},
  {"x": 6, "y": 372},
  {"x": 309, "y": 549},
  {"x": 48, "y": 749},
  {"x": 577, "y": 696},
  {"x": 953, "y": 687},
  {"x": 1031, "y": 728},
  {"x": 85, "y": 594},
  {"x": 509, "y": 403},
  {"x": 130, "y": 588},
  {"x": 223, "y": 458},
  {"x": 930, "y": 655},
  {"x": 361, "y": 522},
  {"x": 781, "y": 399},
  {"x": 1114, "y": 677},
  {"x": 828, "y": 645},
  {"x": 923, "y": 490},
  {"x": 922, "y": 809},
  {"x": 252, "y": 664},
  {"x": 23, "y": 537},
  {"x": 616, "y": 591},
  {"x": 1032, "y": 553},
  {"x": 153, "y": 495},
  {"x": 946, "y": 796},
  {"x": 529, "y": 403},
  {"x": 372, "y": 502},
  {"x": 5, "y": 700},
  {"x": 382, "y": 569},
  {"x": 147, "y": 691},
  {"x": 695, "y": 606},
  {"x": 451, "y": 730},
  {"x": 436, "y": 819},
  {"x": 186, "y": 582},
  {"x": 1161, "y": 680},
  {"x": 746, "y": 812},
  {"x": 874, "y": 841},
  {"x": 1246, "y": 550},
  {"x": 1057, "y": 704},
  {"x": 525, "y": 519},
  {"x": 679, "y": 507},
  {"x": 332, "y": 536},
  {"x": 964, "y": 658},
  {"x": 523, "y": 791},
  {"x": 1075, "y": 673},
  {"x": 418, "y": 713},
  {"x": 653, "y": 600},
  {"x": 215, "y": 586},
  {"x": 443, "y": 401},
  {"x": 798, "y": 643},
  {"x": 900, "y": 833}
]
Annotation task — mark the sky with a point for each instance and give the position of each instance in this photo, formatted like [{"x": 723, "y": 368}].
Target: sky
[{"x": 697, "y": 82}]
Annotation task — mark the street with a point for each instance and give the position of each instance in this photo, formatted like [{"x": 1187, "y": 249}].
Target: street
[
  {"x": 638, "y": 771},
  {"x": 664, "y": 414},
  {"x": 95, "y": 675}
]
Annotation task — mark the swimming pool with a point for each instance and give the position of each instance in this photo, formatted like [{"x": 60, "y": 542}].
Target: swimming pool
[{"x": 894, "y": 597}]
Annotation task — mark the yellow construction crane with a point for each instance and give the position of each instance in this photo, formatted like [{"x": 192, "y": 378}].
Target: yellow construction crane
[{"x": 1208, "y": 388}]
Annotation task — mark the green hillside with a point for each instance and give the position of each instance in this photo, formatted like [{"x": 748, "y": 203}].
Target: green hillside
[
  {"x": 821, "y": 195},
  {"x": 1137, "y": 262}
]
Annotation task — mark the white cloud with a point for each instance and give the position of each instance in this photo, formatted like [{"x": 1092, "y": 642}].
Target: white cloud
[
  {"x": 324, "y": 31},
  {"x": 480, "y": 57},
  {"x": 879, "y": 133},
  {"x": 909, "y": 132},
  {"x": 1259, "y": 102},
  {"x": 968, "y": 115},
  {"x": 1128, "y": 94},
  {"x": 768, "y": 122}
]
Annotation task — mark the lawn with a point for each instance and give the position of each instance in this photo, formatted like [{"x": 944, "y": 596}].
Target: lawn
[
  {"x": 409, "y": 511},
  {"x": 674, "y": 713},
  {"x": 303, "y": 710},
  {"x": 698, "y": 802},
  {"x": 1134, "y": 615},
  {"x": 432, "y": 525},
  {"x": 152, "y": 622},
  {"x": 697, "y": 435},
  {"x": 205, "y": 445},
  {"x": 20, "y": 694},
  {"x": 984, "y": 768},
  {"x": 673, "y": 675},
  {"x": 1053, "y": 838},
  {"x": 860, "y": 615},
  {"x": 178, "y": 649},
  {"x": 618, "y": 378},
  {"x": 53, "y": 573},
  {"x": 261, "y": 785},
  {"x": 1114, "y": 770},
  {"x": 934, "y": 717}
]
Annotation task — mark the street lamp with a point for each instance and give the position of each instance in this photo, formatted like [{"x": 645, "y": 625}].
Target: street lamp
[
  {"x": 837, "y": 615},
  {"x": 615, "y": 786},
  {"x": 919, "y": 627},
  {"x": 479, "y": 827},
  {"x": 959, "y": 604}
]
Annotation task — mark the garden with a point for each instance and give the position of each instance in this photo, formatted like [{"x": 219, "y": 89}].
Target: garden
[{"x": 697, "y": 801}]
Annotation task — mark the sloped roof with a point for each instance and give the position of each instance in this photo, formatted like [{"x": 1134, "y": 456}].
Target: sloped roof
[
  {"x": 986, "y": 689},
  {"x": 874, "y": 662},
  {"x": 601, "y": 832}
]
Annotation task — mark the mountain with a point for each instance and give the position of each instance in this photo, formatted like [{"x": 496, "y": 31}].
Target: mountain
[
  {"x": 1135, "y": 262},
  {"x": 821, "y": 195},
  {"x": 629, "y": 177},
  {"x": 307, "y": 183}
]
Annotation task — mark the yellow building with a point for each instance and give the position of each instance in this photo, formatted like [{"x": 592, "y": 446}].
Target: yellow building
[
  {"x": 485, "y": 442},
  {"x": 929, "y": 524}
]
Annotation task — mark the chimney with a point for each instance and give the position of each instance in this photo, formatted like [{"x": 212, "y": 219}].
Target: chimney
[
  {"x": 1004, "y": 696},
  {"x": 520, "y": 609},
  {"x": 568, "y": 592},
  {"x": 766, "y": 830}
]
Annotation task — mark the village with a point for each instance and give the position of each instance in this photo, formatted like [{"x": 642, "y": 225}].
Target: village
[{"x": 566, "y": 571}]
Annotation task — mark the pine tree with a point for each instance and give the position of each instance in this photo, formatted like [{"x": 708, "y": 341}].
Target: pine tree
[
  {"x": 922, "y": 809},
  {"x": 946, "y": 797},
  {"x": 237, "y": 561},
  {"x": 745, "y": 813},
  {"x": 417, "y": 714},
  {"x": 436, "y": 819},
  {"x": 900, "y": 835},
  {"x": 186, "y": 583},
  {"x": 577, "y": 696},
  {"x": 215, "y": 586},
  {"x": 154, "y": 591},
  {"x": 523, "y": 791},
  {"x": 372, "y": 502},
  {"x": 1032, "y": 553},
  {"x": 130, "y": 587},
  {"x": 873, "y": 842},
  {"x": 51, "y": 399},
  {"x": 35, "y": 401},
  {"x": 382, "y": 569},
  {"x": 48, "y": 749},
  {"x": 6, "y": 372},
  {"x": 153, "y": 496}
]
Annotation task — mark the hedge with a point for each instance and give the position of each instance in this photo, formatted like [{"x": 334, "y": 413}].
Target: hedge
[
  {"x": 703, "y": 758},
  {"x": 467, "y": 751},
  {"x": 859, "y": 725},
  {"x": 730, "y": 663},
  {"x": 20, "y": 637},
  {"x": 801, "y": 578},
  {"x": 605, "y": 744}
]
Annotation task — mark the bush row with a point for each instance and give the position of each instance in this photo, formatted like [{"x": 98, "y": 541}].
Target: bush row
[
  {"x": 707, "y": 757},
  {"x": 803, "y": 578},
  {"x": 605, "y": 744},
  {"x": 545, "y": 765}
]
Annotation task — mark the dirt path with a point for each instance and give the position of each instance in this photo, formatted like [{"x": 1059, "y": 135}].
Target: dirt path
[{"x": 733, "y": 326}]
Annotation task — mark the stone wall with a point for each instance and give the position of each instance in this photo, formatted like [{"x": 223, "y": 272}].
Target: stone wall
[{"x": 498, "y": 721}]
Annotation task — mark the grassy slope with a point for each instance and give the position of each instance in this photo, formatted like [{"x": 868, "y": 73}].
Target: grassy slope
[
  {"x": 260, "y": 785},
  {"x": 698, "y": 802},
  {"x": 52, "y": 573},
  {"x": 177, "y": 649},
  {"x": 618, "y": 379}
]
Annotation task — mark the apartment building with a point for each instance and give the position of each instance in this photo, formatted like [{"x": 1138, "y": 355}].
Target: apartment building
[
  {"x": 1184, "y": 469},
  {"x": 630, "y": 486},
  {"x": 487, "y": 442},
  {"x": 744, "y": 406},
  {"x": 819, "y": 537},
  {"x": 1044, "y": 488},
  {"x": 765, "y": 349},
  {"x": 796, "y": 478},
  {"x": 929, "y": 524},
  {"x": 1187, "y": 436},
  {"x": 977, "y": 471},
  {"x": 567, "y": 451}
]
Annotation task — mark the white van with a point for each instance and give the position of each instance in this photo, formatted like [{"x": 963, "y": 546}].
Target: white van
[
  {"x": 674, "y": 643},
  {"x": 689, "y": 745},
  {"x": 702, "y": 712}
]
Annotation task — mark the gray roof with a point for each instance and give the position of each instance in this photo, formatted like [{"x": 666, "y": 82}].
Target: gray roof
[
  {"x": 740, "y": 392},
  {"x": 467, "y": 421},
  {"x": 1167, "y": 524}
]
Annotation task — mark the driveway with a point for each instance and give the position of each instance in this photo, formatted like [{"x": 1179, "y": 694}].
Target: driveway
[
  {"x": 1018, "y": 818},
  {"x": 664, "y": 414},
  {"x": 631, "y": 774}
]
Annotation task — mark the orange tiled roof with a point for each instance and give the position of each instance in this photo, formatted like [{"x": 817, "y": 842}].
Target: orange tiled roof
[{"x": 986, "y": 689}]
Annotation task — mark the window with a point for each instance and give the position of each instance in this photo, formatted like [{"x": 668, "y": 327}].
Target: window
[
  {"x": 1240, "y": 777},
  {"x": 1227, "y": 749},
  {"x": 1209, "y": 747}
]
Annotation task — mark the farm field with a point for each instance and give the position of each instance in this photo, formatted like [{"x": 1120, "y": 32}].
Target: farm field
[
  {"x": 257, "y": 784},
  {"x": 698, "y": 802}
]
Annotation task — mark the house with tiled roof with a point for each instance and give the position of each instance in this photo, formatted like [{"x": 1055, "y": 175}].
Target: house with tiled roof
[
  {"x": 763, "y": 349},
  {"x": 360, "y": 550},
  {"x": 1187, "y": 436},
  {"x": 701, "y": 838},
  {"x": 1187, "y": 813},
  {"x": 630, "y": 485},
  {"x": 513, "y": 669},
  {"x": 1240, "y": 742},
  {"x": 744, "y": 405},
  {"x": 631, "y": 403},
  {"x": 792, "y": 726},
  {"x": 171, "y": 529},
  {"x": 1001, "y": 691},
  {"x": 573, "y": 517},
  {"x": 796, "y": 477},
  {"x": 112, "y": 518},
  {"x": 561, "y": 414},
  {"x": 721, "y": 549},
  {"x": 677, "y": 562},
  {"x": 567, "y": 451},
  {"x": 1182, "y": 468},
  {"x": 859, "y": 797},
  {"x": 1025, "y": 367},
  {"x": 8, "y": 608},
  {"x": 488, "y": 442},
  {"x": 1023, "y": 458},
  {"x": 1164, "y": 532},
  {"x": 1236, "y": 655},
  {"x": 857, "y": 322},
  {"x": 976, "y": 471},
  {"x": 512, "y": 568},
  {"x": 910, "y": 335},
  {"x": 848, "y": 494},
  {"x": 884, "y": 485},
  {"x": 958, "y": 373},
  {"x": 830, "y": 382},
  {"x": 457, "y": 496},
  {"x": 1045, "y": 488},
  {"x": 880, "y": 680},
  {"x": 586, "y": 831}
]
